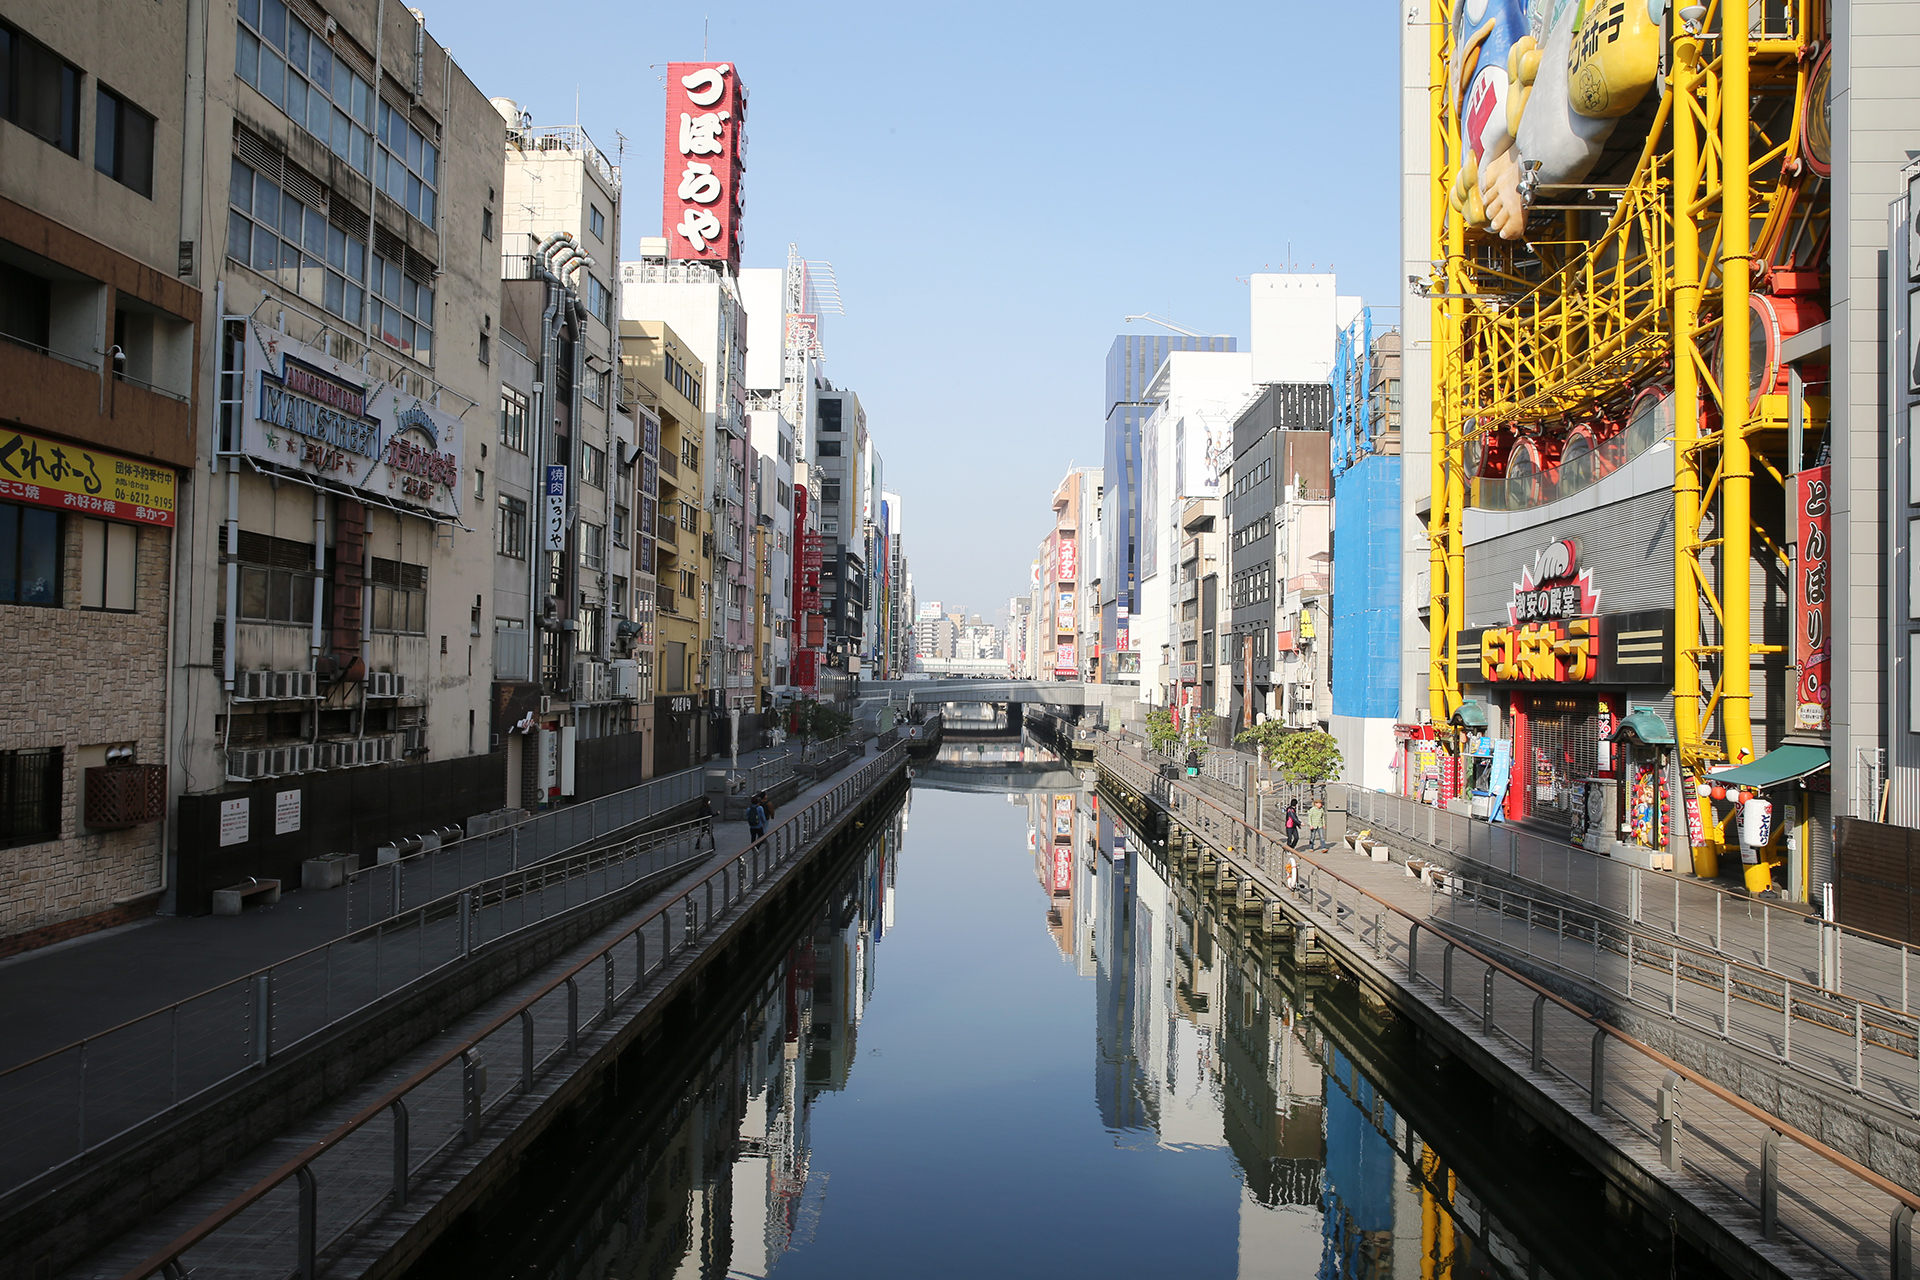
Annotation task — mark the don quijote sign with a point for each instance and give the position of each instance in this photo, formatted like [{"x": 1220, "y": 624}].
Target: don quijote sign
[
  {"x": 1554, "y": 586},
  {"x": 311, "y": 414}
]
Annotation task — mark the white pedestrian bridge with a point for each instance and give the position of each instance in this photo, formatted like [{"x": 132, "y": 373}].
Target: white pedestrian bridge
[{"x": 1052, "y": 693}]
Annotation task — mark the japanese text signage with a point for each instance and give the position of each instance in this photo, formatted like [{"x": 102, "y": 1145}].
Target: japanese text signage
[
  {"x": 1811, "y": 513},
  {"x": 1554, "y": 586},
  {"x": 554, "y": 519},
  {"x": 706, "y": 154},
  {"x": 1614, "y": 648},
  {"x": 46, "y": 474},
  {"x": 1063, "y": 660},
  {"x": 321, "y": 417},
  {"x": 1066, "y": 565}
]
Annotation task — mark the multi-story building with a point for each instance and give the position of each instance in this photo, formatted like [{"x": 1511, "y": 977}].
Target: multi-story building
[
  {"x": 568, "y": 588},
  {"x": 1200, "y": 654},
  {"x": 1363, "y": 644},
  {"x": 662, "y": 376},
  {"x": 896, "y": 647},
  {"x": 836, "y": 453},
  {"x": 1068, "y": 618},
  {"x": 1132, "y": 362},
  {"x": 102, "y": 264},
  {"x": 335, "y": 585}
]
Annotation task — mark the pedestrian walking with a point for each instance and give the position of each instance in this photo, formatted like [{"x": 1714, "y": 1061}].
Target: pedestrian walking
[
  {"x": 705, "y": 818},
  {"x": 1316, "y": 825},
  {"x": 1293, "y": 824},
  {"x": 756, "y": 821}
]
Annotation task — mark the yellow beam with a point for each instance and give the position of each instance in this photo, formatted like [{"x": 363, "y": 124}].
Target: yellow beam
[{"x": 1736, "y": 500}]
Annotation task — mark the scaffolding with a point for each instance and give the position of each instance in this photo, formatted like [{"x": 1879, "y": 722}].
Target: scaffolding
[{"x": 1623, "y": 283}]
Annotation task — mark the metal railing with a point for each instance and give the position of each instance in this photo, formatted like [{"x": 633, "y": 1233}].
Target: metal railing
[
  {"x": 391, "y": 888},
  {"x": 75, "y": 1099},
  {"x": 1833, "y": 1038},
  {"x": 1776, "y": 937},
  {"x": 372, "y": 1161},
  {"x": 1790, "y": 1181}
]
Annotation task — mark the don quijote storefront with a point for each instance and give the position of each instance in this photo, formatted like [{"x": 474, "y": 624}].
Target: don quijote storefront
[{"x": 1565, "y": 727}]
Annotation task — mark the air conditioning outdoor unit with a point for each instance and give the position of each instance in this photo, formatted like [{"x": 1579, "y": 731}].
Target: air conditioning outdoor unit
[
  {"x": 299, "y": 684},
  {"x": 302, "y": 759},
  {"x": 251, "y": 685},
  {"x": 244, "y": 764},
  {"x": 380, "y": 684},
  {"x": 326, "y": 755},
  {"x": 402, "y": 687},
  {"x": 415, "y": 737},
  {"x": 280, "y": 760},
  {"x": 625, "y": 676}
]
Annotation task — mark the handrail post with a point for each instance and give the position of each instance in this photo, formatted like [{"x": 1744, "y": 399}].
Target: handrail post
[
  {"x": 1770, "y": 1185},
  {"x": 1667, "y": 1103},
  {"x": 473, "y": 1086},
  {"x": 1486, "y": 1003},
  {"x": 1540, "y": 1031},
  {"x": 309, "y": 1230},
  {"x": 466, "y": 925},
  {"x": 1413, "y": 952},
  {"x": 262, "y": 1018},
  {"x": 400, "y": 1152},
  {"x": 1446, "y": 977},
  {"x": 573, "y": 1015},
  {"x": 1900, "y": 1242},
  {"x": 1597, "y": 1087}
]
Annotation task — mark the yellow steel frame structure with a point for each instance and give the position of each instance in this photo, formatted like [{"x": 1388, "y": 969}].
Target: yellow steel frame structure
[{"x": 1517, "y": 344}]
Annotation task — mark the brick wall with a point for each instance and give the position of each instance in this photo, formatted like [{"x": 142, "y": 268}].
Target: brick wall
[{"x": 82, "y": 678}]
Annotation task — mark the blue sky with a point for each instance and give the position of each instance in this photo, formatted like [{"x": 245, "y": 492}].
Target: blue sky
[{"x": 997, "y": 187}]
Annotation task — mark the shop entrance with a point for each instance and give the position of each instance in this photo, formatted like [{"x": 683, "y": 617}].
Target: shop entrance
[{"x": 1563, "y": 736}]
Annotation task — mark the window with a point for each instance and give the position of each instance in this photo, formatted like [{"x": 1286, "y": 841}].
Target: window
[
  {"x": 600, "y": 300},
  {"x": 690, "y": 455},
  {"x": 406, "y": 166},
  {"x": 29, "y": 795},
  {"x": 829, "y": 449},
  {"x": 399, "y": 597},
  {"x": 486, "y": 224},
  {"x": 42, "y": 90},
  {"x": 30, "y": 555},
  {"x": 595, "y": 387},
  {"x": 402, "y": 310},
  {"x": 587, "y": 636},
  {"x": 619, "y": 597},
  {"x": 280, "y": 237},
  {"x": 296, "y": 70},
  {"x": 276, "y": 579},
  {"x": 830, "y": 418},
  {"x": 682, "y": 380},
  {"x": 596, "y": 222},
  {"x": 829, "y": 491},
  {"x": 621, "y": 518},
  {"x": 689, "y": 517},
  {"x": 830, "y": 525},
  {"x": 486, "y": 348},
  {"x": 513, "y": 527},
  {"x": 109, "y": 563},
  {"x": 689, "y": 585},
  {"x": 593, "y": 545},
  {"x": 513, "y": 419},
  {"x": 593, "y": 466},
  {"x": 479, "y": 484},
  {"x": 123, "y": 142}
]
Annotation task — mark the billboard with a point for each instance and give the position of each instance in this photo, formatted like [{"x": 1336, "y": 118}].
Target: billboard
[
  {"x": 67, "y": 477},
  {"x": 325, "y": 418},
  {"x": 1063, "y": 659},
  {"x": 706, "y": 154},
  {"x": 1066, "y": 564},
  {"x": 1811, "y": 512}
]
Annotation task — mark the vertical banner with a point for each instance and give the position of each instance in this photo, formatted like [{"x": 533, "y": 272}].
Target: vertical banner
[
  {"x": 1067, "y": 564},
  {"x": 555, "y": 522},
  {"x": 1811, "y": 512},
  {"x": 706, "y": 154}
]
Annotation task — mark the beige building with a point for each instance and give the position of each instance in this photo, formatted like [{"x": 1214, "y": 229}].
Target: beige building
[
  {"x": 100, "y": 307},
  {"x": 332, "y": 670}
]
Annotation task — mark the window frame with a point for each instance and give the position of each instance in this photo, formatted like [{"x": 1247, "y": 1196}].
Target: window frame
[
  {"x": 12, "y": 546},
  {"x": 46, "y": 806},
  {"x": 19, "y": 43},
  {"x": 115, "y": 165},
  {"x": 514, "y": 406},
  {"x": 110, "y": 531},
  {"x": 510, "y": 533},
  {"x": 348, "y": 112}
]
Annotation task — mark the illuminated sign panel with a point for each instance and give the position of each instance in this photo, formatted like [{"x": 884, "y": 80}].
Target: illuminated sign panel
[
  {"x": 1612, "y": 649},
  {"x": 706, "y": 154}
]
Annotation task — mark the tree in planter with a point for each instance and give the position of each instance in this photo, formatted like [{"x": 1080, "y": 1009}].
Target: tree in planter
[
  {"x": 1308, "y": 756},
  {"x": 1161, "y": 735},
  {"x": 818, "y": 720},
  {"x": 1164, "y": 738},
  {"x": 1264, "y": 737}
]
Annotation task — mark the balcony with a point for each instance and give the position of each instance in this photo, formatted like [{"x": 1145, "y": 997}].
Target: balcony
[
  {"x": 665, "y": 598},
  {"x": 667, "y": 531},
  {"x": 669, "y": 466}
]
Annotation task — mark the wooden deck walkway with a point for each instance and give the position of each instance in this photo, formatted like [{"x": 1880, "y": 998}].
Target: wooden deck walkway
[{"x": 1834, "y": 1216}]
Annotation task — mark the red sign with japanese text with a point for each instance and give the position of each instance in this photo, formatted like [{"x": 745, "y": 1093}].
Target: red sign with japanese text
[
  {"x": 1811, "y": 513},
  {"x": 1066, "y": 566},
  {"x": 1062, "y": 869},
  {"x": 806, "y": 668},
  {"x": 706, "y": 154}
]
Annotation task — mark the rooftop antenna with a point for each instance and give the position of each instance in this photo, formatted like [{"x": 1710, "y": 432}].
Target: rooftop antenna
[
  {"x": 1168, "y": 324},
  {"x": 704, "y": 24}
]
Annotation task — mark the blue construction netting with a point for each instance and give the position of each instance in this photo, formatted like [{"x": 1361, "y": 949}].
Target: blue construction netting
[
  {"x": 1352, "y": 426},
  {"x": 1364, "y": 657}
]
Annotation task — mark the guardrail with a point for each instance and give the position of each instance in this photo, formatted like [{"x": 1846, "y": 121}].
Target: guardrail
[
  {"x": 318, "y": 1198},
  {"x": 1778, "y": 938},
  {"x": 394, "y": 888},
  {"x": 1790, "y": 1181},
  {"x": 75, "y": 1099}
]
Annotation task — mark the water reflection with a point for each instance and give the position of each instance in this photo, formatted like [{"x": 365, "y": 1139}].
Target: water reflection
[{"x": 1244, "y": 1119}]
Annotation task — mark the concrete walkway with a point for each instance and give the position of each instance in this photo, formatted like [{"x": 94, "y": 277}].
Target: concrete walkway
[{"x": 56, "y": 995}]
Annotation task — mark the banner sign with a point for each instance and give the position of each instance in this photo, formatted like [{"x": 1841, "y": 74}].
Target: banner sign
[
  {"x": 1811, "y": 513},
  {"x": 1614, "y": 648},
  {"x": 310, "y": 413},
  {"x": 1067, "y": 563},
  {"x": 67, "y": 477},
  {"x": 555, "y": 521},
  {"x": 1063, "y": 660},
  {"x": 706, "y": 154}
]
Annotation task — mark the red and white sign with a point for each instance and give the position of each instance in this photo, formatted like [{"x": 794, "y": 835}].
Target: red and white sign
[
  {"x": 1063, "y": 661},
  {"x": 1062, "y": 869},
  {"x": 1812, "y": 509},
  {"x": 1066, "y": 565},
  {"x": 706, "y": 154},
  {"x": 1063, "y": 817}
]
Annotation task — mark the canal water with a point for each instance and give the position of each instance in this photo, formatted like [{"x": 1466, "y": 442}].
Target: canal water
[{"x": 1015, "y": 1040}]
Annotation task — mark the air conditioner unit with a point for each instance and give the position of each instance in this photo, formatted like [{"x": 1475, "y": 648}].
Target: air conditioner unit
[
  {"x": 242, "y": 765},
  {"x": 589, "y": 681},
  {"x": 546, "y": 705},
  {"x": 402, "y": 687},
  {"x": 279, "y": 760},
  {"x": 299, "y": 684},
  {"x": 326, "y": 755},
  {"x": 278, "y": 686},
  {"x": 415, "y": 737},
  {"x": 625, "y": 677},
  {"x": 252, "y": 685},
  {"x": 302, "y": 759},
  {"x": 380, "y": 684}
]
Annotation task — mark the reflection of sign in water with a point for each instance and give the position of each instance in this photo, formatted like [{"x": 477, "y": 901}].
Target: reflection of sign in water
[{"x": 68, "y": 478}]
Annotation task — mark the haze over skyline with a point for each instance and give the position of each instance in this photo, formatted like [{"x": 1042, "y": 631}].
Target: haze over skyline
[{"x": 997, "y": 189}]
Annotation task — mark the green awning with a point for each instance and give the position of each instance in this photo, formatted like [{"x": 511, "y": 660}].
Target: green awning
[
  {"x": 1782, "y": 764},
  {"x": 1471, "y": 715},
  {"x": 1645, "y": 727}
]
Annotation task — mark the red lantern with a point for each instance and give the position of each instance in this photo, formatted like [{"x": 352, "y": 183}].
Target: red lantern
[{"x": 1719, "y": 792}]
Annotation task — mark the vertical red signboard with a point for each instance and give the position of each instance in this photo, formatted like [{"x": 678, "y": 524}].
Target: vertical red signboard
[
  {"x": 706, "y": 154},
  {"x": 1812, "y": 511},
  {"x": 1066, "y": 562}
]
